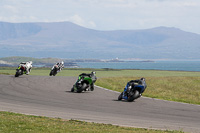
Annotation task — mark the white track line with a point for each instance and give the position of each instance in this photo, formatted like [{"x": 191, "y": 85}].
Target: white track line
[
  {"x": 106, "y": 89},
  {"x": 148, "y": 97}
]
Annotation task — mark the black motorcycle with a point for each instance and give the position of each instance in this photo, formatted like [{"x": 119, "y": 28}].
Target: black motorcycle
[{"x": 54, "y": 70}]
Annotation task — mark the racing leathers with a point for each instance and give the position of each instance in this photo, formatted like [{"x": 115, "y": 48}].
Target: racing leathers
[
  {"x": 131, "y": 84},
  {"x": 27, "y": 66},
  {"x": 60, "y": 66},
  {"x": 92, "y": 75},
  {"x": 94, "y": 78}
]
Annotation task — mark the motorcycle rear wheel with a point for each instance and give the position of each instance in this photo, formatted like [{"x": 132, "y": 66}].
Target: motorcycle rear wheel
[
  {"x": 134, "y": 96},
  {"x": 83, "y": 87}
]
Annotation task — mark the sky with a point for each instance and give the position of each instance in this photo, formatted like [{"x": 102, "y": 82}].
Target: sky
[{"x": 106, "y": 14}]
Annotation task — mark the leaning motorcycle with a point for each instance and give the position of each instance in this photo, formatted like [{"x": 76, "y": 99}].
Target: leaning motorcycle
[
  {"x": 132, "y": 92},
  {"x": 20, "y": 71},
  {"x": 54, "y": 70},
  {"x": 83, "y": 83}
]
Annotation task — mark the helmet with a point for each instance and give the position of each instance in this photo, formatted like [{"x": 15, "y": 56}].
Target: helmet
[
  {"x": 62, "y": 63},
  {"x": 142, "y": 79},
  {"x": 93, "y": 72}
]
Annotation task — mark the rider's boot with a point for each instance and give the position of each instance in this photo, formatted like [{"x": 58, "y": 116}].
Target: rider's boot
[
  {"x": 27, "y": 72},
  {"x": 92, "y": 87}
]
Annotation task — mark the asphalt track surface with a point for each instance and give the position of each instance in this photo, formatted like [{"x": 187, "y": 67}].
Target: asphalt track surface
[{"x": 51, "y": 97}]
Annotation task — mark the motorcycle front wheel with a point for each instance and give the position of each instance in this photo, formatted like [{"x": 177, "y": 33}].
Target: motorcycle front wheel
[
  {"x": 120, "y": 96},
  {"x": 54, "y": 73},
  {"x": 50, "y": 74},
  {"x": 72, "y": 89},
  {"x": 17, "y": 74}
]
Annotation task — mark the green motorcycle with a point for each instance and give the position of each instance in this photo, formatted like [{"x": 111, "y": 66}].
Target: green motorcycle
[{"x": 84, "y": 82}]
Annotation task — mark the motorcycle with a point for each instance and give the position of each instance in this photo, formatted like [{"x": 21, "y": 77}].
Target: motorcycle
[
  {"x": 54, "y": 70},
  {"x": 132, "y": 92},
  {"x": 83, "y": 83},
  {"x": 20, "y": 71}
]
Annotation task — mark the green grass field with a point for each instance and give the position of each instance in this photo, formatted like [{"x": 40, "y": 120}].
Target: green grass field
[
  {"x": 180, "y": 89},
  {"x": 18, "y": 123},
  {"x": 105, "y": 72}
]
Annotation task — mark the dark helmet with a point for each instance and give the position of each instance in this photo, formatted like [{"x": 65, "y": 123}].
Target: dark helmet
[{"x": 142, "y": 79}]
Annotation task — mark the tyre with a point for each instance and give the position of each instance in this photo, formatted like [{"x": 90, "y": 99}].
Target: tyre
[
  {"x": 17, "y": 75},
  {"x": 132, "y": 96},
  {"x": 120, "y": 96},
  {"x": 83, "y": 87},
  {"x": 72, "y": 89},
  {"x": 50, "y": 74},
  {"x": 54, "y": 72},
  {"x": 136, "y": 94},
  {"x": 18, "y": 72}
]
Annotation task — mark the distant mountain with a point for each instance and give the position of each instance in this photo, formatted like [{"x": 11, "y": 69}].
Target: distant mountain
[{"x": 68, "y": 40}]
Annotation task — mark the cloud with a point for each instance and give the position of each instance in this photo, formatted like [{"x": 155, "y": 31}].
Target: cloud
[
  {"x": 92, "y": 24},
  {"x": 106, "y": 14},
  {"x": 187, "y": 4},
  {"x": 77, "y": 20},
  {"x": 80, "y": 21},
  {"x": 10, "y": 8}
]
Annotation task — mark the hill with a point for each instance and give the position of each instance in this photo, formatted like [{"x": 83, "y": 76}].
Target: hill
[
  {"x": 37, "y": 62},
  {"x": 68, "y": 40}
]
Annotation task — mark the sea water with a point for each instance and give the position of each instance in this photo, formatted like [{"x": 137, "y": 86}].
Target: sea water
[{"x": 157, "y": 65}]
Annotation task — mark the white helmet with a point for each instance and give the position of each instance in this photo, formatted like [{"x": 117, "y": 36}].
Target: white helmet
[
  {"x": 62, "y": 63},
  {"x": 93, "y": 72},
  {"x": 30, "y": 62}
]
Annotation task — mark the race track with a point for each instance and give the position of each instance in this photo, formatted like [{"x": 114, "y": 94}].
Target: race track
[{"x": 51, "y": 96}]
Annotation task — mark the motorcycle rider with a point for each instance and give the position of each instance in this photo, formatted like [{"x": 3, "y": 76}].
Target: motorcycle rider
[
  {"x": 131, "y": 84},
  {"x": 92, "y": 75},
  {"x": 60, "y": 65},
  {"x": 94, "y": 78},
  {"x": 27, "y": 66}
]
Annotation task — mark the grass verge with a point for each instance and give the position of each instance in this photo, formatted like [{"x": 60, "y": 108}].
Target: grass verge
[
  {"x": 18, "y": 123},
  {"x": 105, "y": 72},
  {"x": 180, "y": 89}
]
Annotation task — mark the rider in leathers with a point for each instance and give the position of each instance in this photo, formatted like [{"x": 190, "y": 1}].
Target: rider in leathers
[
  {"x": 27, "y": 66},
  {"x": 94, "y": 78},
  {"x": 130, "y": 85},
  {"x": 60, "y": 66}
]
